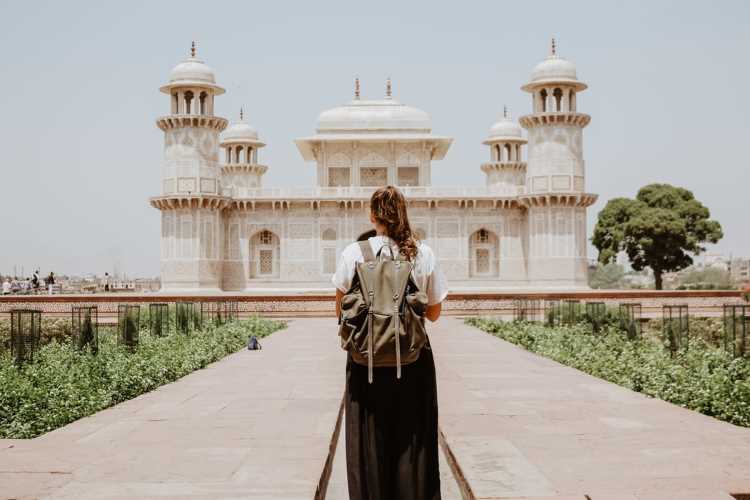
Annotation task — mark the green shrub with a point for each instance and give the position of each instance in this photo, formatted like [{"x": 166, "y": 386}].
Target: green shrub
[
  {"x": 703, "y": 378},
  {"x": 64, "y": 384}
]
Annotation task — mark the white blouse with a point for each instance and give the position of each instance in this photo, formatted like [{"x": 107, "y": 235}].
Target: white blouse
[{"x": 426, "y": 273}]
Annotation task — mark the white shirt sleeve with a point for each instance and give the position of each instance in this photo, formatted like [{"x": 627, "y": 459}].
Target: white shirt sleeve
[
  {"x": 342, "y": 278},
  {"x": 433, "y": 279},
  {"x": 437, "y": 285}
]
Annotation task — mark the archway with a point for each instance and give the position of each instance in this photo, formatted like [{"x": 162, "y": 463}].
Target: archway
[
  {"x": 484, "y": 254},
  {"x": 264, "y": 255}
]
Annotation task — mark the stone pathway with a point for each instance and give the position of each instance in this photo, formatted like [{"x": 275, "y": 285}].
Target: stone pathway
[
  {"x": 522, "y": 426},
  {"x": 259, "y": 425},
  {"x": 337, "y": 488},
  {"x": 254, "y": 425}
]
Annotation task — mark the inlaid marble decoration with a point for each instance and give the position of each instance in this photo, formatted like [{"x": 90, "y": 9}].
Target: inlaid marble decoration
[{"x": 223, "y": 229}]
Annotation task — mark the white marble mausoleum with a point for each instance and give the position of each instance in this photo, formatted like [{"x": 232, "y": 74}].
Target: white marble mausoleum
[{"x": 223, "y": 230}]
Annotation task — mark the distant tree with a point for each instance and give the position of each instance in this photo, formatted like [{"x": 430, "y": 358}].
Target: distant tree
[
  {"x": 607, "y": 276},
  {"x": 661, "y": 228}
]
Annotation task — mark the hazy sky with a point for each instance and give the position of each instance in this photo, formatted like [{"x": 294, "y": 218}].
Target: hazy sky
[{"x": 669, "y": 96}]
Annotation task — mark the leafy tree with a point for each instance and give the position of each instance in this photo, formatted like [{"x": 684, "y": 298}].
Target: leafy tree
[
  {"x": 607, "y": 276},
  {"x": 661, "y": 228}
]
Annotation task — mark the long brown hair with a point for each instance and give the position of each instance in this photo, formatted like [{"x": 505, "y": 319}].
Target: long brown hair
[{"x": 388, "y": 206}]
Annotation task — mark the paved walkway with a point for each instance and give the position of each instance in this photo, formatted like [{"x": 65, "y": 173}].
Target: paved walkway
[
  {"x": 254, "y": 425},
  {"x": 522, "y": 426},
  {"x": 338, "y": 489},
  {"x": 259, "y": 424}
]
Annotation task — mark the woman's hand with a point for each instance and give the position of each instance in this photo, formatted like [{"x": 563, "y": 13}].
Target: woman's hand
[
  {"x": 433, "y": 312},
  {"x": 339, "y": 296}
]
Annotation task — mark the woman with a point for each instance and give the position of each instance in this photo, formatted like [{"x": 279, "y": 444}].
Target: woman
[{"x": 391, "y": 424}]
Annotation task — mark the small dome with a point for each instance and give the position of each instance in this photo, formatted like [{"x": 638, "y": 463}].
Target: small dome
[
  {"x": 239, "y": 132},
  {"x": 554, "y": 68},
  {"x": 505, "y": 128},
  {"x": 192, "y": 70},
  {"x": 376, "y": 115}
]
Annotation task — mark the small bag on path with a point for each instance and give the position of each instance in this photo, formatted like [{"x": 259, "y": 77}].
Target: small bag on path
[
  {"x": 382, "y": 313},
  {"x": 253, "y": 344}
]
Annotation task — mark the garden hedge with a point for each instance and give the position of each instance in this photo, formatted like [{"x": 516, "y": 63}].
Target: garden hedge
[
  {"x": 63, "y": 384},
  {"x": 702, "y": 378}
]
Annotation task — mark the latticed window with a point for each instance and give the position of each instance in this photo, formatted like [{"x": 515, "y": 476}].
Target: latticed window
[
  {"x": 408, "y": 176},
  {"x": 373, "y": 176},
  {"x": 329, "y": 260},
  {"x": 482, "y": 236},
  {"x": 483, "y": 248},
  {"x": 338, "y": 176},
  {"x": 328, "y": 235},
  {"x": 266, "y": 262},
  {"x": 266, "y": 237},
  {"x": 483, "y": 261}
]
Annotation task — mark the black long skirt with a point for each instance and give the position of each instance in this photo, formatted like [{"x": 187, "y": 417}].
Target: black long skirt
[{"x": 392, "y": 432}]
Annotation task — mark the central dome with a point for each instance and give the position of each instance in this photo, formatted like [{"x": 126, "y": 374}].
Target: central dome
[{"x": 376, "y": 115}]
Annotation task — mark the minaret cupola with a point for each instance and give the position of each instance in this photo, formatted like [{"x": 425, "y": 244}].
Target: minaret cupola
[
  {"x": 506, "y": 169},
  {"x": 555, "y": 128},
  {"x": 241, "y": 170}
]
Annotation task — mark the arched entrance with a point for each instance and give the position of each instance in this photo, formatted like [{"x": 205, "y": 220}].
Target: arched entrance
[
  {"x": 484, "y": 254},
  {"x": 264, "y": 255}
]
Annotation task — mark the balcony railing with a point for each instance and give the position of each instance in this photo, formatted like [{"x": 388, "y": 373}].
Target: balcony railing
[{"x": 346, "y": 192}]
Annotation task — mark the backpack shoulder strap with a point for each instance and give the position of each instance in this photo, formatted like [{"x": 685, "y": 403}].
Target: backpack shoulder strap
[{"x": 366, "y": 249}]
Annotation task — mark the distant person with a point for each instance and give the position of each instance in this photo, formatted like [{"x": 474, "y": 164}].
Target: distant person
[
  {"x": 50, "y": 282},
  {"x": 6, "y": 286},
  {"x": 35, "y": 280},
  {"x": 391, "y": 423},
  {"x": 106, "y": 282},
  {"x": 15, "y": 286}
]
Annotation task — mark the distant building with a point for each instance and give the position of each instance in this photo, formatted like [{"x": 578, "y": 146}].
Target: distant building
[
  {"x": 222, "y": 230},
  {"x": 739, "y": 271}
]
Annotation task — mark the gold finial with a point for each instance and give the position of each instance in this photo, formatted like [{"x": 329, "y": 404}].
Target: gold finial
[
  {"x": 356, "y": 88},
  {"x": 192, "y": 49},
  {"x": 554, "y": 47},
  {"x": 242, "y": 113},
  {"x": 388, "y": 88}
]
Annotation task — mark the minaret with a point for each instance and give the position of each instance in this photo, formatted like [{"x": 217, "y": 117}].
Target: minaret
[
  {"x": 191, "y": 197},
  {"x": 241, "y": 170},
  {"x": 555, "y": 176},
  {"x": 506, "y": 170}
]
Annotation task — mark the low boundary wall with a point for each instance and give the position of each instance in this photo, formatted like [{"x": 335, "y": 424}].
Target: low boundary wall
[{"x": 701, "y": 303}]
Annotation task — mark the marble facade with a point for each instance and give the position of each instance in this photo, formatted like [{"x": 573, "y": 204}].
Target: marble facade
[{"x": 222, "y": 230}]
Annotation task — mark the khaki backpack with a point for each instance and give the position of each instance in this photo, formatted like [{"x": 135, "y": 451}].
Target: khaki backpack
[{"x": 382, "y": 313}]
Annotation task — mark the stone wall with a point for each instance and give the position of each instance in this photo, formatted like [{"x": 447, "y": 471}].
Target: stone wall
[{"x": 701, "y": 303}]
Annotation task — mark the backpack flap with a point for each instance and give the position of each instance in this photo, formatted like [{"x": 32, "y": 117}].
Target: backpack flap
[{"x": 382, "y": 320}]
